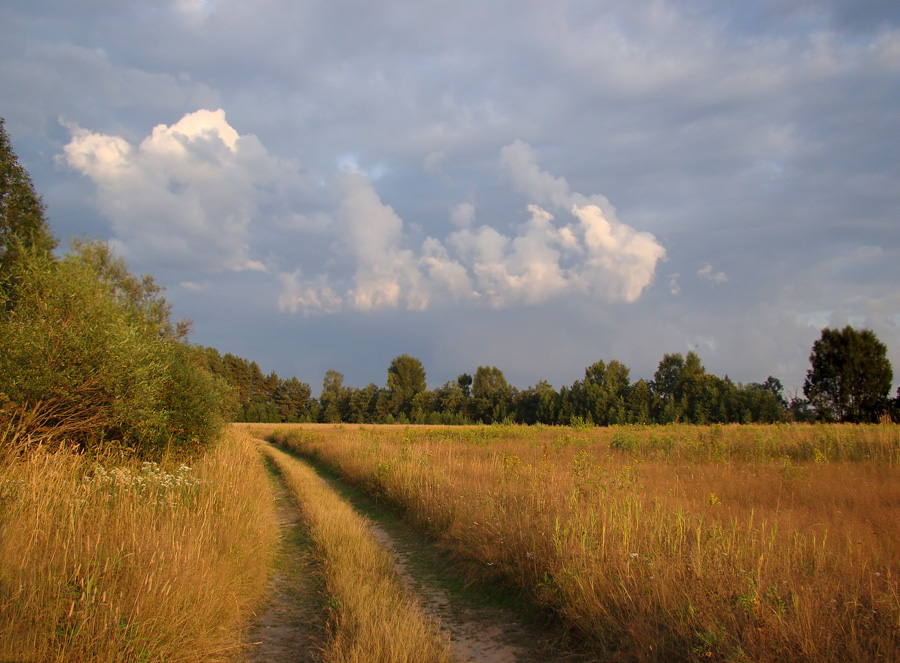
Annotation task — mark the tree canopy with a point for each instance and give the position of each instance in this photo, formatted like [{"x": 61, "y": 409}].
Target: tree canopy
[
  {"x": 22, "y": 221},
  {"x": 849, "y": 377},
  {"x": 405, "y": 379}
]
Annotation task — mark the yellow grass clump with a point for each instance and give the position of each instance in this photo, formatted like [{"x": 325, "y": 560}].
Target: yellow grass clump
[
  {"x": 373, "y": 618},
  {"x": 662, "y": 543},
  {"x": 131, "y": 561}
]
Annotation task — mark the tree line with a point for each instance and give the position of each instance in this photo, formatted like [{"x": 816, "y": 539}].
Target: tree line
[{"x": 849, "y": 381}]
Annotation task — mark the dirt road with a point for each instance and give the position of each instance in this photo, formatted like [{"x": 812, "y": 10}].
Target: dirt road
[{"x": 485, "y": 625}]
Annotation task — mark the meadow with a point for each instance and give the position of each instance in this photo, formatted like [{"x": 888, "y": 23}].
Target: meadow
[
  {"x": 108, "y": 559},
  {"x": 730, "y": 543}
]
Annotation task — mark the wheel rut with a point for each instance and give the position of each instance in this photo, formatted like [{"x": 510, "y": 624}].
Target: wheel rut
[
  {"x": 290, "y": 627},
  {"x": 486, "y": 625}
]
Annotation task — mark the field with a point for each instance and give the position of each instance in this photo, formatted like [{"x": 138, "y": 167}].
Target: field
[
  {"x": 111, "y": 559},
  {"x": 732, "y": 543},
  {"x": 676, "y": 543}
]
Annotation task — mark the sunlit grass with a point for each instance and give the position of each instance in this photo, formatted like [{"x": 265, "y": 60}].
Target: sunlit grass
[
  {"x": 104, "y": 560},
  {"x": 732, "y": 543}
]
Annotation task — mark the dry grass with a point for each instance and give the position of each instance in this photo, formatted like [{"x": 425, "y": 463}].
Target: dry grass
[
  {"x": 670, "y": 543},
  {"x": 129, "y": 561},
  {"x": 373, "y": 619}
]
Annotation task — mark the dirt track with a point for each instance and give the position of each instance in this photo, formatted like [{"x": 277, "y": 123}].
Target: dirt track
[{"x": 291, "y": 629}]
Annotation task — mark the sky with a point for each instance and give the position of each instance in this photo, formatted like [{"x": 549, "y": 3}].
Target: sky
[{"x": 530, "y": 185}]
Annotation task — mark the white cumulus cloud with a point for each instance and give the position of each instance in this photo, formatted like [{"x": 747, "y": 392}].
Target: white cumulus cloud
[
  {"x": 592, "y": 254},
  {"x": 185, "y": 196}
]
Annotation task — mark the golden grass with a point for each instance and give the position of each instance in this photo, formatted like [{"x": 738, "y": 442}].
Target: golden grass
[
  {"x": 373, "y": 618},
  {"x": 132, "y": 562},
  {"x": 718, "y": 543}
]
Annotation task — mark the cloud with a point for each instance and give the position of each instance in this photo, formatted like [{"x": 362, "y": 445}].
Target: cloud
[
  {"x": 619, "y": 261},
  {"x": 187, "y": 195},
  {"x": 674, "y": 286},
  {"x": 592, "y": 255},
  {"x": 385, "y": 273},
  {"x": 315, "y": 296},
  {"x": 707, "y": 273}
]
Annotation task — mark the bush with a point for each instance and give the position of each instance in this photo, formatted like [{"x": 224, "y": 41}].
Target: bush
[{"x": 88, "y": 354}]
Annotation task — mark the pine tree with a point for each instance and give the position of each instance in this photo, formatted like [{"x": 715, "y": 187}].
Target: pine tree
[{"x": 23, "y": 224}]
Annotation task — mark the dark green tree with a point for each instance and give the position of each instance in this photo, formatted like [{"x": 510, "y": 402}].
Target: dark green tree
[
  {"x": 335, "y": 398},
  {"x": 606, "y": 389},
  {"x": 292, "y": 400},
  {"x": 405, "y": 379},
  {"x": 640, "y": 405},
  {"x": 451, "y": 402},
  {"x": 465, "y": 383},
  {"x": 492, "y": 395},
  {"x": 23, "y": 225},
  {"x": 537, "y": 404},
  {"x": 667, "y": 388},
  {"x": 363, "y": 403},
  {"x": 850, "y": 376}
]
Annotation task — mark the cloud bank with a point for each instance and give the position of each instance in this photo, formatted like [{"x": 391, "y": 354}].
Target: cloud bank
[{"x": 589, "y": 253}]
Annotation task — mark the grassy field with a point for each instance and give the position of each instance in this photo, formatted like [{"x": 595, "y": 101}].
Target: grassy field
[
  {"x": 735, "y": 543},
  {"x": 115, "y": 560}
]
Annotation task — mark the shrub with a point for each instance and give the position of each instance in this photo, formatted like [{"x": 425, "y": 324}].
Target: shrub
[{"x": 88, "y": 354}]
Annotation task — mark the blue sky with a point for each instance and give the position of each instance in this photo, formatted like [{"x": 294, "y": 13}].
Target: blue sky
[{"x": 531, "y": 185}]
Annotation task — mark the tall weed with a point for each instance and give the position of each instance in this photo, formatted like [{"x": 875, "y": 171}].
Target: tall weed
[
  {"x": 669, "y": 543},
  {"x": 110, "y": 560}
]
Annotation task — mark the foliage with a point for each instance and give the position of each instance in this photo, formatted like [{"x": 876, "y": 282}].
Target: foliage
[
  {"x": 23, "y": 225},
  {"x": 492, "y": 395},
  {"x": 405, "y": 379},
  {"x": 88, "y": 354},
  {"x": 850, "y": 376},
  {"x": 260, "y": 398},
  {"x": 682, "y": 391}
]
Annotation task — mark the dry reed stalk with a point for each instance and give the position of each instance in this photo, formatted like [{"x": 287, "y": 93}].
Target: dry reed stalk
[
  {"x": 373, "y": 618},
  {"x": 132, "y": 562},
  {"x": 723, "y": 554}
]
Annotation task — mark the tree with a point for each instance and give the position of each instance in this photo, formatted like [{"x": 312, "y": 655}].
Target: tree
[
  {"x": 292, "y": 400},
  {"x": 363, "y": 403},
  {"x": 335, "y": 398},
  {"x": 606, "y": 390},
  {"x": 84, "y": 363},
  {"x": 22, "y": 221},
  {"x": 465, "y": 383},
  {"x": 850, "y": 376},
  {"x": 406, "y": 378},
  {"x": 537, "y": 404},
  {"x": 667, "y": 387},
  {"x": 492, "y": 394}
]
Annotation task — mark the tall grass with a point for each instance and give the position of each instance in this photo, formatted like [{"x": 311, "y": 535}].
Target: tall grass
[
  {"x": 719, "y": 543},
  {"x": 128, "y": 561},
  {"x": 373, "y": 618}
]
